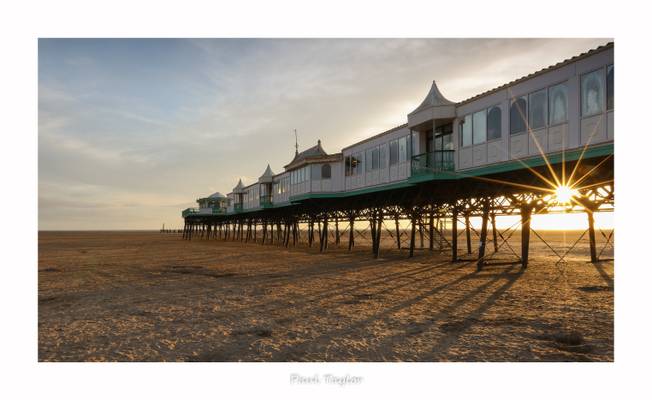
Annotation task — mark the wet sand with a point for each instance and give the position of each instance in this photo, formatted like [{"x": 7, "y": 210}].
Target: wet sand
[{"x": 145, "y": 296}]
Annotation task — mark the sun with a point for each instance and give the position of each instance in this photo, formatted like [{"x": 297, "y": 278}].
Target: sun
[{"x": 564, "y": 194}]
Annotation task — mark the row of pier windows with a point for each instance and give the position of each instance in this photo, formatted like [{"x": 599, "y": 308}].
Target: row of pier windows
[
  {"x": 400, "y": 150},
  {"x": 481, "y": 126},
  {"x": 300, "y": 175},
  {"x": 545, "y": 107}
]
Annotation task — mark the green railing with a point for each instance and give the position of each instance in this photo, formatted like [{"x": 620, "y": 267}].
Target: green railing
[
  {"x": 266, "y": 201},
  {"x": 433, "y": 162},
  {"x": 219, "y": 210},
  {"x": 188, "y": 211}
]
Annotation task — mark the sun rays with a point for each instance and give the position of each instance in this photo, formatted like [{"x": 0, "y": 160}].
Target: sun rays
[{"x": 560, "y": 190}]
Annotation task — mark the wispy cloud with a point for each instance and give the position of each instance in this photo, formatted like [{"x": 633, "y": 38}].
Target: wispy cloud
[{"x": 129, "y": 130}]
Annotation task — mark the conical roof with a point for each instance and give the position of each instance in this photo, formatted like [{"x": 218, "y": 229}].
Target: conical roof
[
  {"x": 434, "y": 98},
  {"x": 267, "y": 176},
  {"x": 239, "y": 187}
]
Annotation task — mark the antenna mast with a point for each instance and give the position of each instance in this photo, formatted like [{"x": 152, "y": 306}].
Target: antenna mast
[{"x": 296, "y": 143}]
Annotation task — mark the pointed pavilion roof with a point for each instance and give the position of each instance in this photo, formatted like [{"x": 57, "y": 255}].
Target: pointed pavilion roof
[
  {"x": 239, "y": 187},
  {"x": 434, "y": 98},
  {"x": 267, "y": 176}
]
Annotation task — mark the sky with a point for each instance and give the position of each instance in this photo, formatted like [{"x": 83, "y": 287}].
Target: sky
[{"x": 132, "y": 131}]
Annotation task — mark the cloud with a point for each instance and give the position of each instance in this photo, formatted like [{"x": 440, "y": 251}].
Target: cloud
[{"x": 131, "y": 129}]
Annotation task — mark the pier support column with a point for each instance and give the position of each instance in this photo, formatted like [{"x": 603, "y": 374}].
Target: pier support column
[
  {"x": 483, "y": 235},
  {"x": 379, "y": 229},
  {"x": 431, "y": 231},
  {"x": 454, "y": 236},
  {"x": 398, "y": 232},
  {"x": 337, "y": 231},
  {"x": 351, "y": 228},
  {"x": 412, "y": 234},
  {"x": 494, "y": 234},
  {"x": 594, "y": 254},
  {"x": 467, "y": 224},
  {"x": 526, "y": 214}
]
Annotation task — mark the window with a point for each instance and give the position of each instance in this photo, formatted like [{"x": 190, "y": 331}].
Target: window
[
  {"x": 592, "y": 91},
  {"x": 375, "y": 158},
  {"x": 447, "y": 142},
  {"x": 402, "y": 149},
  {"x": 347, "y": 166},
  {"x": 480, "y": 127},
  {"x": 326, "y": 171},
  {"x": 382, "y": 163},
  {"x": 315, "y": 171},
  {"x": 494, "y": 126},
  {"x": 410, "y": 145},
  {"x": 610, "y": 87},
  {"x": 466, "y": 128},
  {"x": 558, "y": 104},
  {"x": 393, "y": 152},
  {"x": 538, "y": 111},
  {"x": 367, "y": 160},
  {"x": 356, "y": 166},
  {"x": 414, "y": 139},
  {"x": 517, "y": 116}
]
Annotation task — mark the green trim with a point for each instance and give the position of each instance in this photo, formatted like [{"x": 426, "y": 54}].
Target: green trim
[
  {"x": 374, "y": 189},
  {"x": 538, "y": 161}
]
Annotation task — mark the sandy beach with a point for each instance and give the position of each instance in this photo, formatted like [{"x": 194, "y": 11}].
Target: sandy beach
[{"x": 146, "y": 296}]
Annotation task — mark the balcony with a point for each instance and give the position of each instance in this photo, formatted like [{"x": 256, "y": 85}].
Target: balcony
[
  {"x": 189, "y": 211},
  {"x": 266, "y": 201},
  {"x": 433, "y": 162}
]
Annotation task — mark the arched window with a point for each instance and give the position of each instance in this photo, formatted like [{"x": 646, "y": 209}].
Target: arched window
[
  {"x": 494, "y": 127},
  {"x": 558, "y": 107},
  {"x": 326, "y": 171},
  {"x": 610, "y": 87},
  {"x": 592, "y": 93},
  {"x": 518, "y": 116}
]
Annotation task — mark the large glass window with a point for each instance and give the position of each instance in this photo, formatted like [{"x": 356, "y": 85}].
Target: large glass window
[
  {"x": 466, "y": 127},
  {"x": 480, "y": 127},
  {"x": 367, "y": 160},
  {"x": 447, "y": 142},
  {"x": 326, "y": 171},
  {"x": 517, "y": 116},
  {"x": 538, "y": 109},
  {"x": 382, "y": 163},
  {"x": 494, "y": 123},
  {"x": 610, "y": 87},
  {"x": 414, "y": 140},
  {"x": 356, "y": 163},
  {"x": 592, "y": 89},
  {"x": 347, "y": 166},
  {"x": 558, "y": 104},
  {"x": 375, "y": 158},
  {"x": 402, "y": 149},
  {"x": 393, "y": 152}
]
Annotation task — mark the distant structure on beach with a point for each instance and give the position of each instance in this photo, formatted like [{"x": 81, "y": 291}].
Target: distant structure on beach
[{"x": 542, "y": 143}]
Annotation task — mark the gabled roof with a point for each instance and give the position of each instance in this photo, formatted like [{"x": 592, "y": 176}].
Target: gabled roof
[
  {"x": 434, "y": 98},
  {"x": 315, "y": 152}
]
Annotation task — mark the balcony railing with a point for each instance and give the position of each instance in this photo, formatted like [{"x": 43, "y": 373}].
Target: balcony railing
[
  {"x": 266, "y": 200},
  {"x": 433, "y": 162},
  {"x": 189, "y": 211}
]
